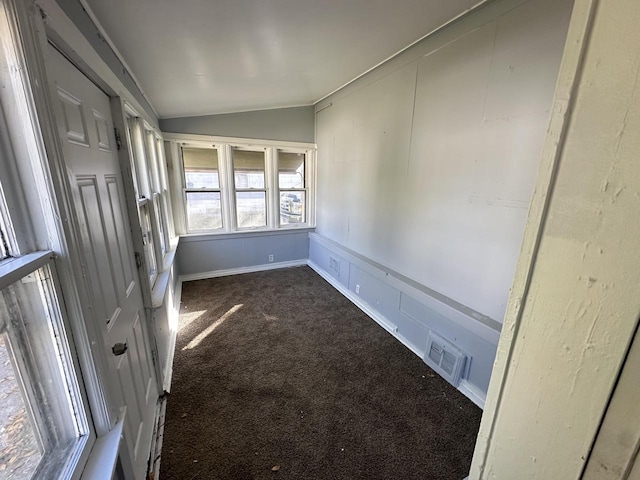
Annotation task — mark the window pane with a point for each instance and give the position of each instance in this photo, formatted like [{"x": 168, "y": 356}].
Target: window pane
[
  {"x": 147, "y": 239},
  {"x": 162, "y": 164},
  {"x": 152, "y": 162},
  {"x": 20, "y": 451},
  {"x": 291, "y": 170},
  {"x": 159, "y": 220},
  {"x": 292, "y": 207},
  {"x": 139, "y": 163},
  {"x": 204, "y": 211},
  {"x": 248, "y": 169},
  {"x": 201, "y": 168},
  {"x": 41, "y": 420},
  {"x": 4, "y": 244},
  {"x": 251, "y": 209}
]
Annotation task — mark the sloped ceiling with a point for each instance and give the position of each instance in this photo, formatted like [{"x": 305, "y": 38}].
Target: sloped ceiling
[{"x": 198, "y": 57}]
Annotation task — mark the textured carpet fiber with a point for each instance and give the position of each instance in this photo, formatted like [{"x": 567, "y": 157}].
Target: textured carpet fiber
[{"x": 278, "y": 376}]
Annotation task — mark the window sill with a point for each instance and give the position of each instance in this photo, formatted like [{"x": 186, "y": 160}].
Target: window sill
[
  {"x": 14, "y": 269},
  {"x": 104, "y": 455},
  {"x": 162, "y": 280},
  {"x": 199, "y": 237}
]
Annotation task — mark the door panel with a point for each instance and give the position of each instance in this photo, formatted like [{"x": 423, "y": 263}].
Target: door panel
[{"x": 114, "y": 296}]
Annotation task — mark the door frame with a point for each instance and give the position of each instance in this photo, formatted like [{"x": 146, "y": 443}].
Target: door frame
[
  {"x": 595, "y": 338},
  {"x": 564, "y": 96}
]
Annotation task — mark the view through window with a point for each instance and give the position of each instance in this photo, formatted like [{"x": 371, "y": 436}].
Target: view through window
[
  {"x": 42, "y": 419},
  {"x": 251, "y": 193},
  {"x": 291, "y": 181},
  {"x": 202, "y": 192},
  {"x": 229, "y": 188},
  {"x": 4, "y": 246}
]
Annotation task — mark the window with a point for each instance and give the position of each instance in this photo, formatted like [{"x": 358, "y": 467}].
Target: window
[
  {"x": 43, "y": 419},
  {"x": 157, "y": 191},
  {"x": 291, "y": 182},
  {"x": 251, "y": 192},
  {"x": 237, "y": 187},
  {"x": 203, "y": 198},
  {"x": 150, "y": 179}
]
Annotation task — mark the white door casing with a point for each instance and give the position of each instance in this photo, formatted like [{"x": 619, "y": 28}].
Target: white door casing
[
  {"x": 615, "y": 451},
  {"x": 113, "y": 289}
]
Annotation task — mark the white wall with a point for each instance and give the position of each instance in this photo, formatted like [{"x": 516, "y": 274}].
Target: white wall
[{"x": 427, "y": 164}]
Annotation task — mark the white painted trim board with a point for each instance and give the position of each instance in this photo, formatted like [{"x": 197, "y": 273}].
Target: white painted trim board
[{"x": 168, "y": 368}]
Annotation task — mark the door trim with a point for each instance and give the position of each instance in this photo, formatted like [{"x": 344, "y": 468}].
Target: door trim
[{"x": 560, "y": 119}]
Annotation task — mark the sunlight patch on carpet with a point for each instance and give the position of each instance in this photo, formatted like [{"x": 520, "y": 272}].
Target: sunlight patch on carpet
[
  {"x": 187, "y": 319},
  {"x": 209, "y": 330}
]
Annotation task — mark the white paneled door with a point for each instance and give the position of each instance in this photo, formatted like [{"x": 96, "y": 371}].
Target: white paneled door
[{"x": 114, "y": 297}]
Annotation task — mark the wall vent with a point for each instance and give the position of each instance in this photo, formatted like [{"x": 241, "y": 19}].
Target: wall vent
[
  {"x": 445, "y": 358},
  {"x": 334, "y": 265}
]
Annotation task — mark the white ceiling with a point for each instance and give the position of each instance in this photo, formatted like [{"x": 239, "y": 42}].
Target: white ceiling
[{"x": 198, "y": 57}]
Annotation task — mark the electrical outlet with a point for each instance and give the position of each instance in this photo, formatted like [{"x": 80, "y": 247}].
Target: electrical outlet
[
  {"x": 271, "y": 258},
  {"x": 358, "y": 289}
]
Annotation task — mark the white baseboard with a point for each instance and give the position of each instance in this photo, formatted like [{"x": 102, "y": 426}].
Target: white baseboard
[
  {"x": 472, "y": 393},
  {"x": 237, "y": 271},
  {"x": 466, "y": 388}
]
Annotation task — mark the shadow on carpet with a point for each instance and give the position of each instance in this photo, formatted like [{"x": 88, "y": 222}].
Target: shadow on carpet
[{"x": 278, "y": 376}]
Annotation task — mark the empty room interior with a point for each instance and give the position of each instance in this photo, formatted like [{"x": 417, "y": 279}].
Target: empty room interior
[{"x": 338, "y": 239}]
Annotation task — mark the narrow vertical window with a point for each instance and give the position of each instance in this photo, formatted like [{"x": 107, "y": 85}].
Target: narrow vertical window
[
  {"x": 202, "y": 189},
  {"x": 250, "y": 186},
  {"x": 291, "y": 182}
]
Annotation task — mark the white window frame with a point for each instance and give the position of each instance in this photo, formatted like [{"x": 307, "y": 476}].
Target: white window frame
[
  {"x": 234, "y": 190},
  {"x": 149, "y": 170},
  {"x": 225, "y": 147},
  {"x": 186, "y": 190},
  {"x": 279, "y": 190}
]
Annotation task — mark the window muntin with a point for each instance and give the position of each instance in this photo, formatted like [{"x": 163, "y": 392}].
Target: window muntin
[
  {"x": 44, "y": 420},
  {"x": 250, "y": 188},
  {"x": 291, "y": 183}
]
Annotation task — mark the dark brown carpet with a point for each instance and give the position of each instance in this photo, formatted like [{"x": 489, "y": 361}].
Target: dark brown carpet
[{"x": 298, "y": 383}]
